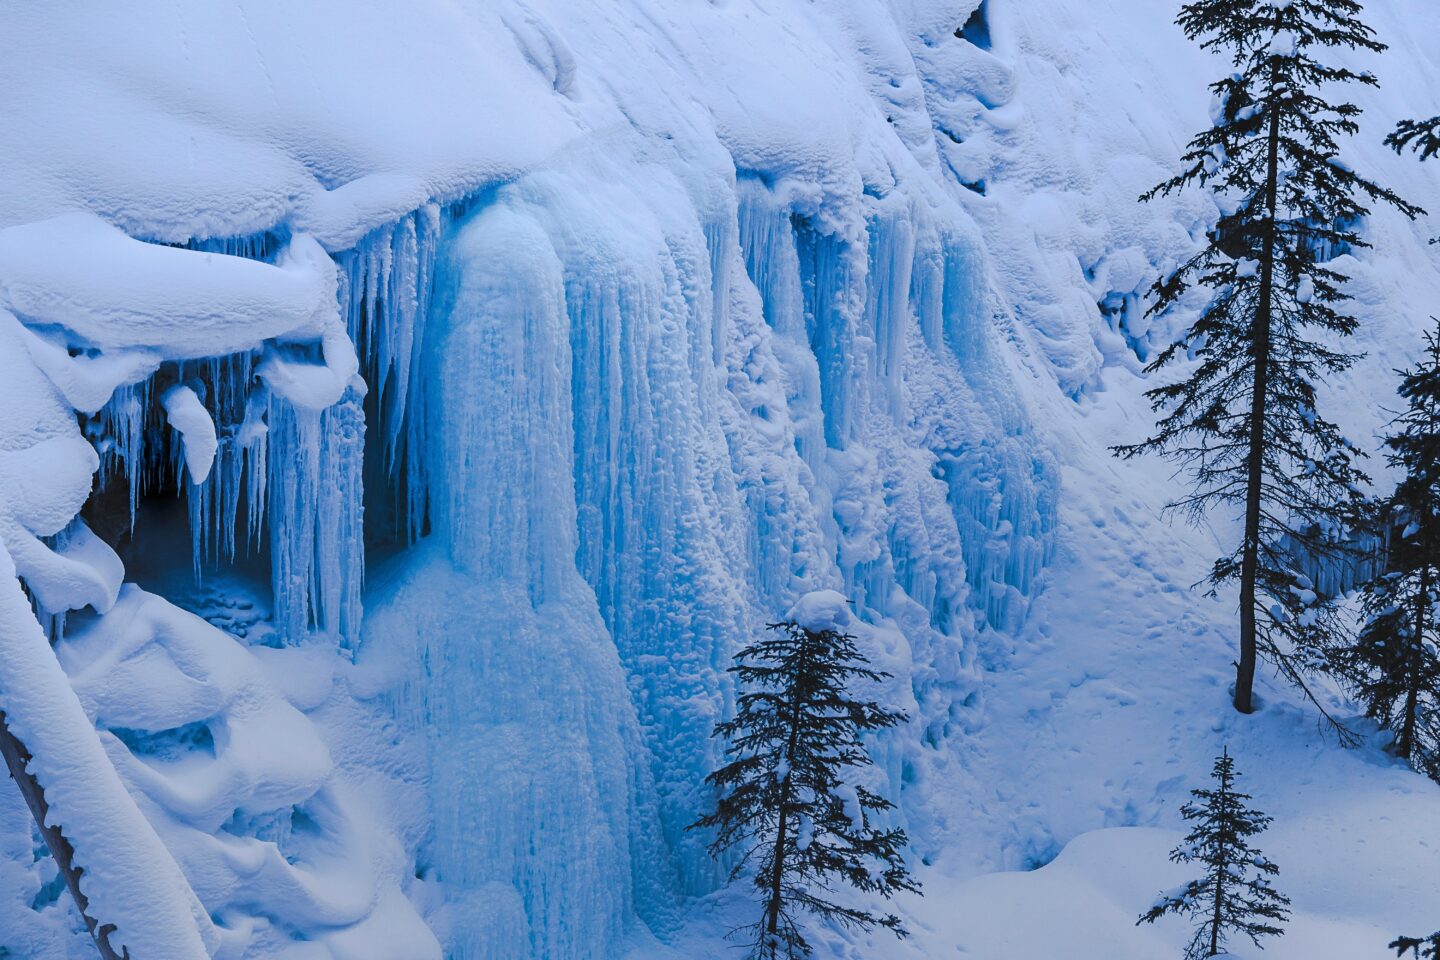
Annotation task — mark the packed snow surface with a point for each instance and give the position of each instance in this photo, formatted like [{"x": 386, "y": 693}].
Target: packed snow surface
[{"x": 407, "y": 410}]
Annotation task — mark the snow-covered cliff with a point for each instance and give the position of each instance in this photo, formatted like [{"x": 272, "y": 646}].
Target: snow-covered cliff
[{"x": 453, "y": 387}]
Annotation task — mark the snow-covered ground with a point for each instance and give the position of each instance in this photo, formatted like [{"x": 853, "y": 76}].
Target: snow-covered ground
[{"x": 504, "y": 366}]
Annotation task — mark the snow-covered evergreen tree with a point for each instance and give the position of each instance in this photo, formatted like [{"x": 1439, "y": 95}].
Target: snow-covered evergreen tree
[
  {"x": 1243, "y": 419},
  {"x": 785, "y": 801},
  {"x": 1393, "y": 665},
  {"x": 1235, "y": 895}
]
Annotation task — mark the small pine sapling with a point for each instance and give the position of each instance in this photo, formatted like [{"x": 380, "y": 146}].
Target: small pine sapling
[
  {"x": 1234, "y": 896},
  {"x": 802, "y": 825}
]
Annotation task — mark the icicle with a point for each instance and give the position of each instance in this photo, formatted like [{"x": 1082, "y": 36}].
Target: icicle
[
  {"x": 386, "y": 299},
  {"x": 340, "y": 534},
  {"x": 257, "y": 246},
  {"x": 293, "y": 466},
  {"x": 315, "y": 460},
  {"x": 887, "y": 303},
  {"x": 772, "y": 260},
  {"x": 119, "y": 430},
  {"x": 250, "y": 457},
  {"x": 832, "y": 278}
]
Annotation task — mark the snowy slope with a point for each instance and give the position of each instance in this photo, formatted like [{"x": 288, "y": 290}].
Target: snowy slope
[
  {"x": 519, "y": 360},
  {"x": 1116, "y": 695}
]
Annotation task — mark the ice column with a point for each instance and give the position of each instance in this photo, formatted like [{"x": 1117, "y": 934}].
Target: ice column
[{"x": 543, "y": 829}]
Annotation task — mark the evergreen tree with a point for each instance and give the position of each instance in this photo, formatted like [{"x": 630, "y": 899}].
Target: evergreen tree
[
  {"x": 1421, "y": 135},
  {"x": 1393, "y": 666},
  {"x": 1234, "y": 895},
  {"x": 785, "y": 802},
  {"x": 1424, "y": 137},
  {"x": 1244, "y": 419}
]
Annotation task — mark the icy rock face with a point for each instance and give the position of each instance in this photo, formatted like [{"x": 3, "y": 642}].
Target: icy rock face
[{"x": 611, "y": 393}]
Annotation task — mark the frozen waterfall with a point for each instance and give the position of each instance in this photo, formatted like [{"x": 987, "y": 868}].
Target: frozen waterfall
[{"x": 401, "y": 531}]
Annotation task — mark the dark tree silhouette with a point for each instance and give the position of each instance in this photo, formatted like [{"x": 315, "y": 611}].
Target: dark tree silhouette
[
  {"x": 1393, "y": 665},
  {"x": 1234, "y": 895},
  {"x": 1423, "y": 948},
  {"x": 785, "y": 802},
  {"x": 1423, "y": 136},
  {"x": 1243, "y": 420}
]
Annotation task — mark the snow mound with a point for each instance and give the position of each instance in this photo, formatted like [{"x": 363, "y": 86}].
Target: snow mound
[
  {"x": 240, "y": 785},
  {"x": 130, "y": 876},
  {"x": 821, "y": 610}
]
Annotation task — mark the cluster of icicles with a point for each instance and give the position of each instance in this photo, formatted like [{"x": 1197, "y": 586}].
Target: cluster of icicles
[
  {"x": 285, "y": 479},
  {"x": 291, "y": 482}
]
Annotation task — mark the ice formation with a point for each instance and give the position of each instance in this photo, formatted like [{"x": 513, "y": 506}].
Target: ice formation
[
  {"x": 514, "y": 365},
  {"x": 631, "y": 404}
]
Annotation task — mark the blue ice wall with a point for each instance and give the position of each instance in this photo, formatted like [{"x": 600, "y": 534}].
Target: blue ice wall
[
  {"x": 616, "y": 419},
  {"x": 927, "y": 329},
  {"x": 541, "y": 805},
  {"x": 652, "y": 422}
]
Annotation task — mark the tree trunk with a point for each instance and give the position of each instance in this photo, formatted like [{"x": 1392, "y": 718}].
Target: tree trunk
[
  {"x": 772, "y": 910},
  {"x": 1255, "y": 460},
  {"x": 17, "y": 760},
  {"x": 777, "y": 874},
  {"x": 1219, "y": 872},
  {"x": 1406, "y": 746}
]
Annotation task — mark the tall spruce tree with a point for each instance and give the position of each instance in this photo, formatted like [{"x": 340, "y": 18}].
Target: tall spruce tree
[
  {"x": 785, "y": 802},
  {"x": 1234, "y": 896},
  {"x": 1244, "y": 419},
  {"x": 1393, "y": 665}
]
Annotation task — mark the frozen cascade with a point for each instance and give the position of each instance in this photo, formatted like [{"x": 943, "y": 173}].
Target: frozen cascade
[
  {"x": 748, "y": 397},
  {"x": 673, "y": 362},
  {"x": 923, "y": 332},
  {"x": 657, "y": 500},
  {"x": 614, "y": 413},
  {"x": 1003, "y": 489},
  {"x": 543, "y": 830}
]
